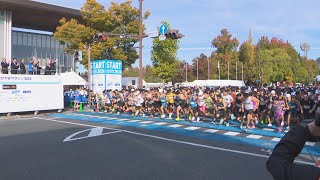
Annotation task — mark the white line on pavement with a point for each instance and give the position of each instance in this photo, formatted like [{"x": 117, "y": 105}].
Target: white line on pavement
[
  {"x": 276, "y": 139},
  {"x": 230, "y": 133},
  {"x": 95, "y": 132},
  {"x": 172, "y": 140},
  {"x": 134, "y": 121},
  {"x": 160, "y": 123},
  {"x": 192, "y": 128},
  {"x": 310, "y": 143},
  {"x": 253, "y": 136},
  {"x": 211, "y": 130},
  {"x": 175, "y": 125},
  {"x": 146, "y": 122}
]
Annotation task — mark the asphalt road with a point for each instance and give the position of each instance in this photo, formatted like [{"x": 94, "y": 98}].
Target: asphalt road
[{"x": 32, "y": 149}]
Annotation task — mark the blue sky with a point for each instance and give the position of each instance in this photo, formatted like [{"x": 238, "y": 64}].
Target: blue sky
[{"x": 202, "y": 20}]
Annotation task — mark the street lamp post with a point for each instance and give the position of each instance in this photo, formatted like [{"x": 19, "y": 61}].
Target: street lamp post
[{"x": 140, "y": 83}]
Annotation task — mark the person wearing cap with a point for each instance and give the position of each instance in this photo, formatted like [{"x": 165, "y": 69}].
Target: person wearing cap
[
  {"x": 293, "y": 108},
  {"x": 281, "y": 164}
]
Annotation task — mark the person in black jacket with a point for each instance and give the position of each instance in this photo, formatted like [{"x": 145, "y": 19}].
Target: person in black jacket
[
  {"x": 22, "y": 67},
  {"x": 4, "y": 66},
  {"x": 281, "y": 162},
  {"x": 47, "y": 70},
  {"x": 14, "y": 66}
]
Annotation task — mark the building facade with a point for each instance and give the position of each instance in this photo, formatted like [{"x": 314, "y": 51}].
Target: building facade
[{"x": 22, "y": 27}]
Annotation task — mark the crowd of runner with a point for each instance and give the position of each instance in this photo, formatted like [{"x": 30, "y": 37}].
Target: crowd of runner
[{"x": 279, "y": 106}]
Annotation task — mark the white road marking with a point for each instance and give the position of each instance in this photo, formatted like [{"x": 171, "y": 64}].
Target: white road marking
[
  {"x": 192, "y": 128},
  {"x": 160, "y": 123},
  {"x": 95, "y": 132},
  {"x": 231, "y": 133},
  {"x": 146, "y": 122},
  {"x": 268, "y": 129},
  {"x": 310, "y": 143},
  {"x": 175, "y": 125},
  {"x": 253, "y": 136},
  {"x": 276, "y": 139},
  {"x": 211, "y": 130},
  {"x": 176, "y": 141},
  {"x": 134, "y": 121}
]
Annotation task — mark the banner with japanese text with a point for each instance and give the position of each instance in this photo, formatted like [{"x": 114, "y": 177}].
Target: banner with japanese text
[{"x": 21, "y": 93}]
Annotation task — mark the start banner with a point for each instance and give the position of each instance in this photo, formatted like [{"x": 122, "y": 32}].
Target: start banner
[{"x": 106, "y": 74}]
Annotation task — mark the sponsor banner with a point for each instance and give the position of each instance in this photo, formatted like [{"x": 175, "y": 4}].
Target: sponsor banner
[{"x": 21, "y": 93}]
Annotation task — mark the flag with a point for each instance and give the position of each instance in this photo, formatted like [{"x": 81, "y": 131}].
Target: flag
[{"x": 218, "y": 64}]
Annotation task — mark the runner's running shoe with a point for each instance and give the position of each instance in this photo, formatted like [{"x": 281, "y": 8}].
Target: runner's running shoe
[{"x": 279, "y": 129}]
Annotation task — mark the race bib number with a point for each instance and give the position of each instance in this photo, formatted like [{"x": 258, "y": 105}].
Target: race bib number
[
  {"x": 306, "y": 107},
  {"x": 292, "y": 107}
]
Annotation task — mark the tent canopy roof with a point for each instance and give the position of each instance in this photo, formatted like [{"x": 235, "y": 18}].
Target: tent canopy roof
[{"x": 72, "y": 79}]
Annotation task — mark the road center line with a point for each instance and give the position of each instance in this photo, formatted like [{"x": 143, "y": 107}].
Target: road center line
[{"x": 176, "y": 141}]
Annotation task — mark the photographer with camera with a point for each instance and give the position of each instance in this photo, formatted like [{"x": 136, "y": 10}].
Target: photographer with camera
[{"x": 281, "y": 162}]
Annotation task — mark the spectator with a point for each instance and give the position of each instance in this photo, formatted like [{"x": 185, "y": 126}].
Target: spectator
[
  {"x": 4, "y": 66},
  {"x": 47, "y": 70},
  {"x": 31, "y": 66},
  {"x": 53, "y": 67},
  {"x": 36, "y": 67},
  {"x": 22, "y": 67},
  {"x": 14, "y": 66}
]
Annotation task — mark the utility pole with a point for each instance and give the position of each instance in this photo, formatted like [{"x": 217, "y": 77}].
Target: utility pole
[
  {"x": 197, "y": 68},
  {"x": 242, "y": 71},
  {"x": 208, "y": 69},
  {"x": 186, "y": 72},
  {"x": 236, "y": 70},
  {"x": 228, "y": 70},
  {"x": 219, "y": 68},
  {"x": 89, "y": 73},
  {"x": 140, "y": 83},
  {"x": 260, "y": 76}
]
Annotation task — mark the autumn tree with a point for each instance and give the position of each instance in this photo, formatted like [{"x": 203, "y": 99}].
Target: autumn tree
[
  {"x": 119, "y": 18},
  {"x": 226, "y": 49},
  {"x": 246, "y": 56}
]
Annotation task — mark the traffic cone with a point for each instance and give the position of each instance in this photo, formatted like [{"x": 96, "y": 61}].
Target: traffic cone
[{"x": 80, "y": 108}]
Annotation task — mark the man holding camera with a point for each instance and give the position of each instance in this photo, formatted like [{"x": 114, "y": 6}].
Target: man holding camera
[{"x": 281, "y": 162}]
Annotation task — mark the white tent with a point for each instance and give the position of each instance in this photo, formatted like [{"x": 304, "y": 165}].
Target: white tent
[
  {"x": 220, "y": 83},
  {"x": 72, "y": 79}
]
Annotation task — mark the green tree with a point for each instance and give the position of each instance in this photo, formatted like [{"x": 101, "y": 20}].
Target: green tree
[
  {"x": 275, "y": 65},
  {"x": 119, "y": 18},
  {"x": 246, "y": 56},
  {"x": 164, "y": 57}
]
